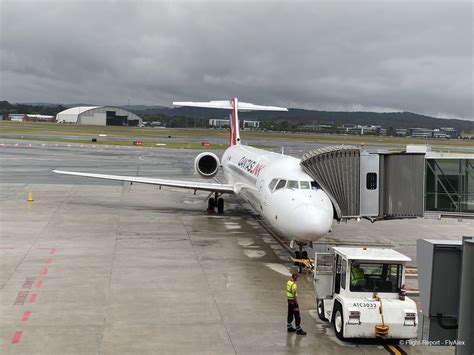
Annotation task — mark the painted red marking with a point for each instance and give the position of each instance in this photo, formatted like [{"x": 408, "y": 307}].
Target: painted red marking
[
  {"x": 20, "y": 299},
  {"x": 26, "y": 316},
  {"x": 49, "y": 261},
  {"x": 44, "y": 271},
  {"x": 39, "y": 283},
  {"x": 33, "y": 297},
  {"x": 52, "y": 251},
  {"x": 17, "y": 337},
  {"x": 28, "y": 282}
]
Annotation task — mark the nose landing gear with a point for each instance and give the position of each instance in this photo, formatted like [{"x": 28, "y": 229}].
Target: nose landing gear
[{"x": 301, "y": 259}]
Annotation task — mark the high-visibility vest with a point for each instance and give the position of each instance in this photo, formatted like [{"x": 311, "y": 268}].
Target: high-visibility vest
[
  {"x": 291, "y": 288},
  {"x": 357, "y": 274}
]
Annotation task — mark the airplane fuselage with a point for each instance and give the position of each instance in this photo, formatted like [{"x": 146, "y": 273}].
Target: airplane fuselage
[
  {"x": 278, "y": 189},
  {"x": 274, "y": 184}
]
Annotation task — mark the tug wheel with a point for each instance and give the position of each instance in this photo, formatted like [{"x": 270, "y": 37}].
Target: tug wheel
[
  {"x": 338, "y": 322},
  {"x": 320, "y": 307}
]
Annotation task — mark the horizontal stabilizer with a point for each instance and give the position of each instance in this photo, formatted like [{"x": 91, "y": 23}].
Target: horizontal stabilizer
[{"x": 227, "y": 105}]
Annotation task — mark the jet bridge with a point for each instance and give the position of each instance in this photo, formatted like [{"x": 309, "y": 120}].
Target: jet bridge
[{"x": 371, "y": 185}]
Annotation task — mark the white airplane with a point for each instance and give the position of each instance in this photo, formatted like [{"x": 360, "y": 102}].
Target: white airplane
[{"x": 274, "y": 184}]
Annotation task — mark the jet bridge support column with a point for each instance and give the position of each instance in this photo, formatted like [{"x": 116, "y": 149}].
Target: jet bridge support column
[{"x": 465, "y": 344}]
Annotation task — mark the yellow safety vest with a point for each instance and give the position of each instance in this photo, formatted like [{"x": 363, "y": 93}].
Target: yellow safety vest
[
  {"x": 357, "y": 274},
  {"x": 291, "y": 288}
]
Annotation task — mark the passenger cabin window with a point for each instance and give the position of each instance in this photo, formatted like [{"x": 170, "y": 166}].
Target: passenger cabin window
[
  {"x": 314, "y": 185},
  {"x": 292, "y": 184},
  {"x": 305, "y": 185},
  {"x": 371, "y": 181},
  {"x": 281, "y": 184},
  {"x": 272, "y": 184}
]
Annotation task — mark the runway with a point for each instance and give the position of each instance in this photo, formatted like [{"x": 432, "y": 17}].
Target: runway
[{"x": 101, "y": 267}]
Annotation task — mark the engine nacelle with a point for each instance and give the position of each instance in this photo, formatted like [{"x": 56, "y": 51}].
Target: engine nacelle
[{"x": 207, "y": 164}]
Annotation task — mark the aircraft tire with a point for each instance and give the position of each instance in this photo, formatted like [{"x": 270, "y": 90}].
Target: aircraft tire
[
  {"x": 211, "y": 204},
  {"x": 220, "y": 205},
  {"x": 298, "y": 256}
]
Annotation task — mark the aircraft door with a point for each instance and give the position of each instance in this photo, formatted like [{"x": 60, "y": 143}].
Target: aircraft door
[{"x": 323, "y": 275}]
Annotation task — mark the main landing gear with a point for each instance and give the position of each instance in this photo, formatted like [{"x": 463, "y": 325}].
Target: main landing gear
[{"x": 214, "y": 202}]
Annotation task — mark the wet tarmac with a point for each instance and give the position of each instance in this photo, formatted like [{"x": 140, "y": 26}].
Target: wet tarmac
[{"x": 100, "y": 267}]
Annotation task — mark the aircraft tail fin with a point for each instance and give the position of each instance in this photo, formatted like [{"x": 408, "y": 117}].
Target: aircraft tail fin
[
  {"x": 235, "y": 106},
  {"x": 234, "y": 136}
]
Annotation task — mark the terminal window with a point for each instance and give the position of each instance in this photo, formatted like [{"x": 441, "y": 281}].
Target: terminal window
[{"x": 449, "y": 185}]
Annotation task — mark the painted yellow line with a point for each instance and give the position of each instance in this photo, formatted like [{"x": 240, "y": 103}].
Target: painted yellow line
[
  {"x": 412, "y": 275},
  {"x": 395, "y": 350}
]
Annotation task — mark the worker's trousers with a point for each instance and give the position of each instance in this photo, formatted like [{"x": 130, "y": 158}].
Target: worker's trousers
[{"x": 293, "y": 311}]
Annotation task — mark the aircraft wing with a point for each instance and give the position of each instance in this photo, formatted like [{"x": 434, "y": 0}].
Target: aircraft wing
[{"x": 204, "y": 186}]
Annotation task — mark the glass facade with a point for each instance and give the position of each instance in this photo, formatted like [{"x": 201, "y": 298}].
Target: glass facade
[{"x": 449, "y": 185}]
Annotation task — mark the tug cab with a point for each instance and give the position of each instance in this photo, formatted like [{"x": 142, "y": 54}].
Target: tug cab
[{"x": 361, "y": 292}]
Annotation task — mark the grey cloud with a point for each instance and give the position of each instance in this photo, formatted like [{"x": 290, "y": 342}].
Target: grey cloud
[{"x": 383, "y": 55}]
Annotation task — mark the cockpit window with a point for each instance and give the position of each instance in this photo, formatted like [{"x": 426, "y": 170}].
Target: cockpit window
[
  {"x": 292, "y": 184},
  {"x": 281, "y": 184},
  {"x": 304, "y": 185},
  {"x": 314, "y": 185},
  {"x": 272, "y": 184}
]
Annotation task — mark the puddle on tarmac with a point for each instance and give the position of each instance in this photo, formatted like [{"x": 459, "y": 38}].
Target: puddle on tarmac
[
  {"x": 245, "y": 242},
  {"x": 232, "y": 225},
  {"x": 281, "y": 269},
  {"x": 326, "y": 328},
  {"x": 269, "y": 240},
  {"x": 254, "y": 253},
  {"x": 192, "y": 202}
]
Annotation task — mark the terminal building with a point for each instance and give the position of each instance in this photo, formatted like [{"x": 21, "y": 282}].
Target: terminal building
[
  {"x": 225, "y": 123},
  {"x": 361, "y": 130},
  {"x": 20, "y": 117},
  {"x": 415, "y": 182},
  {"x": 99, "y": 116}
]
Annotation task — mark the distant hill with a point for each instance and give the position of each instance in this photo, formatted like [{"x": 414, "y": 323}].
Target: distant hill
[
  {"x": 302, "y": 117},
  {"x": 290, "y": 119},
  {"x": 42, "y": 109}
]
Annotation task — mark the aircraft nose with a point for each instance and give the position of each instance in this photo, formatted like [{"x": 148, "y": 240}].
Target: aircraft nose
[{"x": 311, "y": 221}]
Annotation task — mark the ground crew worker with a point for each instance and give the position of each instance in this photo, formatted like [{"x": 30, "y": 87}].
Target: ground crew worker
[
  {"x": 293, "y": 308},
  {"x": 357, "y": 277}
]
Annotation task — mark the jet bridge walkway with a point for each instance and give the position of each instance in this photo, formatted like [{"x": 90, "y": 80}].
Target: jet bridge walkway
[{"x": 372, "y": 185}]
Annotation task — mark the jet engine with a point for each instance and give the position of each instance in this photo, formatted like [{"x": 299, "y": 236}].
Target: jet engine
[{"x": 207, "y": 164}]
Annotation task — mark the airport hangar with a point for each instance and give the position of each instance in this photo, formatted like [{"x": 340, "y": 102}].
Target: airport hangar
[{"x": 99, "y": 116}]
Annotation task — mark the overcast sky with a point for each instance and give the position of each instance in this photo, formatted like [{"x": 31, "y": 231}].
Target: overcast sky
[{"x": 327, "y": 55}]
